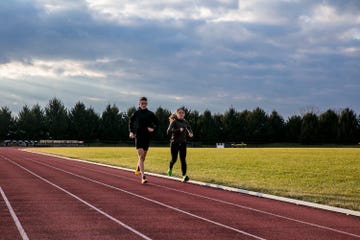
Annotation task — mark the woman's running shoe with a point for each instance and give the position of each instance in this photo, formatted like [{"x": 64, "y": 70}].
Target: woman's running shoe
[{"x": 185, "y": 178}]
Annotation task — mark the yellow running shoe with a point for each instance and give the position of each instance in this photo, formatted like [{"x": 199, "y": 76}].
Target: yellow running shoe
[
  {"x": 144, "y": 180},
  {"x": 137, "y": 170}
]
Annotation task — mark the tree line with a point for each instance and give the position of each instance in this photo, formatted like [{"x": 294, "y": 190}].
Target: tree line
[{"x": 256, "y": 126}]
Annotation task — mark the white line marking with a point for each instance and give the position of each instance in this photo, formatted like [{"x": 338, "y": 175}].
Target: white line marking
[
  {"x": 15, "y": 218},
  {"x": 221, "y": 187},
  {"x": 213, "y": 199},
  {"x": 267, "y": 213},
  {"x": 234, "y": 204},
  {"x": 81, "y": 200},
  {"x": 151, "y": 200}
]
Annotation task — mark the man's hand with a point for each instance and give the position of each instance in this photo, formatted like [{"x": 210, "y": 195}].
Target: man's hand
[
  {"x": 131, "y": 135},
  {"x": 150, "y": 129}
]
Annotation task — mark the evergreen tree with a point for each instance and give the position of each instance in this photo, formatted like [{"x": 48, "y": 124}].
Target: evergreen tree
[
  {"x": 328, "y": 127},
  {"x": 309, "y": 129},
  {"x": 231, "y": 125},
  {"x": 111, "y": 123},
  {"x": 39, "y": 122},
  {"x": 209, "y": 130},
  {"x": 56, "y": 120},
  {"x": 6, "y": 124},
  {"x": 257, "y": 126},
  {"x": 25, "y": 124},
  {"x": 243, "y": 126},
  {"x": 193, "y": 117},
  {"x": 293, "y": 129},
  {"x": 84, "y": 123},
  {"x": 30, "y": 123},
  {"x": 276, "y": 128},
  {"x": 348, "y": 126},
  {"x": 163, "y": 116}
]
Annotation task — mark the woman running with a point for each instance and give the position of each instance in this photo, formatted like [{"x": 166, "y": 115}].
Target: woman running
[{"x": 179, "y": 128}]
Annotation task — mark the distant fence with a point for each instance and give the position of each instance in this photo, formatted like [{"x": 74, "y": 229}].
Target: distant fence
[
  {"x": 238, "y": 145},
  {"x": 60, "y": 143}
]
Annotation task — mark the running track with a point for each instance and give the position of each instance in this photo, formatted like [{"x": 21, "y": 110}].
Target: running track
[{"x": 44, "y": 197}]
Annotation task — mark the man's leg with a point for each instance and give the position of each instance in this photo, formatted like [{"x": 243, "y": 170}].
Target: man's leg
[{"x": 142, "y": 155}]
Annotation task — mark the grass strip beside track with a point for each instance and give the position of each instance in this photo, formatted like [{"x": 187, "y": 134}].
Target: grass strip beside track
[{"x": 322, "y": 175}]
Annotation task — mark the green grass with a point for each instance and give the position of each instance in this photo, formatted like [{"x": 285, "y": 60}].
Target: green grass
[{"x": 323, "y": 175}]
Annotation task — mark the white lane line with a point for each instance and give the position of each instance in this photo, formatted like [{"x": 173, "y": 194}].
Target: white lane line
[
  {"x": 82, "y": 201},
  {"x": 213, "y": 199},
  {"x": 150, "y": 200},
  {"x": 232, "y": 204},
  {"x": 221, "y": 187},
  {"x": 13, "y": 215},
  {"x": 266, "y": 213}
]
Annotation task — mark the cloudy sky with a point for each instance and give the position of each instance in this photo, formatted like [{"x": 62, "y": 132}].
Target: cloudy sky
[{"x": 283, "y": 55}]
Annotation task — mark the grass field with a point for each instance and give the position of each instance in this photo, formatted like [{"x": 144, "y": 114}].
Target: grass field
[{"x": 323, "y": 175}]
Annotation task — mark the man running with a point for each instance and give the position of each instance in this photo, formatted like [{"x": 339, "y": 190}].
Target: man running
[{"x": 142, "y": 124}]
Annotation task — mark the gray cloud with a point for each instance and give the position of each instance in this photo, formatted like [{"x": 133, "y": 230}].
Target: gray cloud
[{"x": 278, "y": 55}]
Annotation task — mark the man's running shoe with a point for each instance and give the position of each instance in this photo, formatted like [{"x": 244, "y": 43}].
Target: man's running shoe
[
  {"x": 170, "y": 172},
  {"x": 144, "y": 180},
  {"x": 185, "y": 178},
  {"x": 137, "y": 170}
]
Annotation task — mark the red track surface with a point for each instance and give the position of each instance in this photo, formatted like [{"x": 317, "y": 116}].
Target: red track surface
[{"x": 46, "y": 197}]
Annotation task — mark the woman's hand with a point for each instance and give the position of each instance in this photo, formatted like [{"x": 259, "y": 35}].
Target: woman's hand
[{"x": 131, "y": 135}]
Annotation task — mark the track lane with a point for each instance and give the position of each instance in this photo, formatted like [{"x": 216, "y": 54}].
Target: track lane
[
  {"x": 277, "y": 216},
  {"x": 135, "y": 209},
  {"x": 47, "y": 213},
  {"x": 256, "y": 222},
  {"x": 10, "y": 225},
  {"x": 303, "y": 215},
  {"x": 320, "y": 216}
]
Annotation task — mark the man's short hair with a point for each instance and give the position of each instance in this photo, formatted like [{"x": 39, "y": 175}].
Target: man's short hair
[{"x": 142, "y": 99}]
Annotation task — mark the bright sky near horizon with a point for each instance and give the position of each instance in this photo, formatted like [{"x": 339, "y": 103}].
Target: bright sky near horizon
[{"x": 283, "y": 55}]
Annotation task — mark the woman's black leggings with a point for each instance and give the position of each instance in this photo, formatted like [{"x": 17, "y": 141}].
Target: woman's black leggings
[{"x": 178, "y": 148}]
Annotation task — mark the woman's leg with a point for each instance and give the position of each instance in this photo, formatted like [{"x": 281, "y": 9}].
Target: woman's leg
[
  {"x": 182, "y": 149},
  {"x": 174, "y": 149}
]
